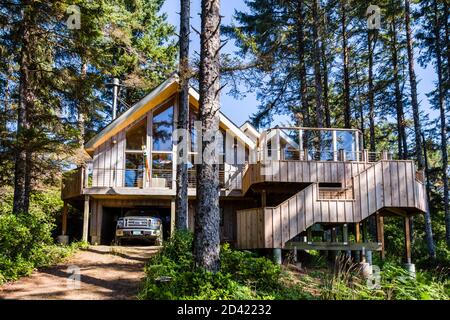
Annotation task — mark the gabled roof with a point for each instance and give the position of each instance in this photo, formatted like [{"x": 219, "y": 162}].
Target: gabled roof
[
  {"x": 157, "y": 96},
  {"x": 247, "y": 126}
]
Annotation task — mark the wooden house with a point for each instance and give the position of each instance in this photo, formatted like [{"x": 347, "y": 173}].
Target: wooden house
[{"x": 281, "y": 188}]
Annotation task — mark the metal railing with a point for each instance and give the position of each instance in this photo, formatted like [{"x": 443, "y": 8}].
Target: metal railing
[
  {"x": 323, "y": 155},
  {"x": 141, "y": 178}
]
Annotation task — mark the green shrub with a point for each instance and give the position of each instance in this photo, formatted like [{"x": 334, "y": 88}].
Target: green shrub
[
  {"x": 26, "y": 239},
  {"x": 395, "y": 284},
  {"x": 242, "y": 275}
]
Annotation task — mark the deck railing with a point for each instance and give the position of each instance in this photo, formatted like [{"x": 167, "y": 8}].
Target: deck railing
[{"x": 323, "y": 155}]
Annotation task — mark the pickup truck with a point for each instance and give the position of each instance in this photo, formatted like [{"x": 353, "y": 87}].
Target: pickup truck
[{"x": 139, "y": 227}]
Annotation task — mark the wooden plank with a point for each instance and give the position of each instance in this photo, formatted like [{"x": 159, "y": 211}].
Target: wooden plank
[
  {"x": 261, "y": 230},
  {"x": 402, "y": 184},
  {"x": 379, "y": 185},
  {"x": 293, "y": 212},
  {"x": 410, "y": 183},
  {"x": 340, "y": 211},
  {"x": 277, "y": 227},
  {"x": 333, "y": 211},
  {"x": 387, "y": 196},
  {"x": 394, "y": 185},
  {"x": 363, "y": 194},
  {"x": 268, "y": 228},
  {"x": 291, "y": 171},
  {"x": 371, "y": 196},
  {"x": 285, "y": 222},
  {"x": 349, "y": 217},
  {"x": 334, "y": 246},
  {"x": 283, "y": 171},
  {"x": 320, "y": 172},
  {"x": 306, "y": 170},
  {"x": 300, "y": 199},
  {"x": 298, "y": 171}
]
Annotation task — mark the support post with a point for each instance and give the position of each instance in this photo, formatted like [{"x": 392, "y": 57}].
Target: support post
[
  {"x": 64, "y": 238},
  {"x": 348, "y": 253},
  {"x": 263, "y": 198},
  {"x": 64, "y": 219},
  {"x": 86, "y": 219},
  {"x": 277, "y": 256},
  {"x": 357, "y": 239},
  {"x": 380, "y": 234},
  {"x": 407, "y": 241},
  {"x": 172, "y": 216}
]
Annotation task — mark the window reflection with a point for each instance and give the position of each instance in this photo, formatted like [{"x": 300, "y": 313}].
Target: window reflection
[
  {"x": 134, "y": 170},
  {"x": 162, "y": 129},
  {"x": 136, "y": 136}
]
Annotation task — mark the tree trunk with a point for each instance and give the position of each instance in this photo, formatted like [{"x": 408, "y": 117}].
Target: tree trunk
[
  {"x": 428, "y": 226},
  {"x": 413, "y": 85},
  {"x": 401, "y": 138},
  {"x": 26, "y": 99},
  {"x": 317, "y": 73},
  {"x": 326, "y": 102},
  {"x": 207, "y": 229},
  {"x": 181, "y": 197},
  {"x": 81, "y": 108},
  {"x": 302, "y": 65},
  {"x": 345, "y": 58},
  {"x": 442, "y": 110},
  {"x": 370, "y": 38}
]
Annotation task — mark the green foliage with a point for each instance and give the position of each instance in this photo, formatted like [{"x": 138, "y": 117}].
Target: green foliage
[
  {"x": 25, "y": 239},
  {"x": 242, "y": 275},
  {"x": 395, "y": 283}
]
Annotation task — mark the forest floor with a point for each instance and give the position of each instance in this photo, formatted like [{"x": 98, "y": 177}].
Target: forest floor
[{"x": 105, "y": 272}]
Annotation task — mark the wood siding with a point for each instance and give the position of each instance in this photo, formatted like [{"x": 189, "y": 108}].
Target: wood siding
[{"x": 385, "y": 184}]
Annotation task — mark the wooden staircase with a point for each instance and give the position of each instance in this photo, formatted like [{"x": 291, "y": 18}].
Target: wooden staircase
[{"x": 386, "y": 186}]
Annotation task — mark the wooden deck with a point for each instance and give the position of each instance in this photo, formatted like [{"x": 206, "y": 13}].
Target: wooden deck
[{"x": 385, "y": 186}]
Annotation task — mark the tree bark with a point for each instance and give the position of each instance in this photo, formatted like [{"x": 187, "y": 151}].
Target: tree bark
[
  {"x": 181, "y": 197},
  {"x": 345, "y": 59},
  {"x": 317, "y": 73},
  {"x": 413, "y": 85},
  {"x": 401, "y": 138},
  {"x": 22, "y": 179},
  {"x": 428, "y": 226},
  {"x": 81, "y": 108},
  {"x": 442, "y": 110},
  {"x": 207, "y": 237},
  {"x": 302, "y": 64},
  {"x": 370, "y": 39}
]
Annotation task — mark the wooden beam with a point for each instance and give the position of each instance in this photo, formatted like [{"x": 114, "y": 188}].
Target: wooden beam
[
  {"x": 380, "y": 233},
  {"x": 407, "y": 240},
  {"x": 86, "y": 219},
  {"x": 64, "y": 219},
  {"x": 357, "y": 232},
  {"x": 172, "y": 216},
  {"x": 334, "y": 246},
  {"x": 263, "y": 198}
]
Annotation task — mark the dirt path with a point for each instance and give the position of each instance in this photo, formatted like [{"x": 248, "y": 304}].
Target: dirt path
[{"x": 105, "y": 273}]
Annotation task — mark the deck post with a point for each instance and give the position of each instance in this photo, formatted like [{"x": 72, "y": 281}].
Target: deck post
[
  {"x": 384, "y": 155},
  {"x": 277, "y": 256},
  {"x": 348, "y": 253},
  {"x": 172, "y": 216},
  {"x": 357, "y": 239},
  {"x": 86, "y": 219},
  {"x": 64, "y": 219},
  {"x": 407, "y": 240},
  {"x": 380, "y": 234},
  {"x": 410, "y": 267},
  {"x": 64, "y": 238},
  {"x": 263, "y": 198}
]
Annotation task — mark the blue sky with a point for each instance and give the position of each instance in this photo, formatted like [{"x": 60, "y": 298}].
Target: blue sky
[{"x": 240, "y": 110}]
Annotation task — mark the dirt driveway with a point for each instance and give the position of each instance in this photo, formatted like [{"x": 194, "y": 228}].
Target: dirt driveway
[{"x": 105, "y": 273}]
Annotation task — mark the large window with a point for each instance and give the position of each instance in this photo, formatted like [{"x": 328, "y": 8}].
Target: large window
[
  {"x": 137, "y": 136},
  {"x": 162, "y": 146},
  {"x": 162, "y": 128},
  {"x": 135, "y": 169}
]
